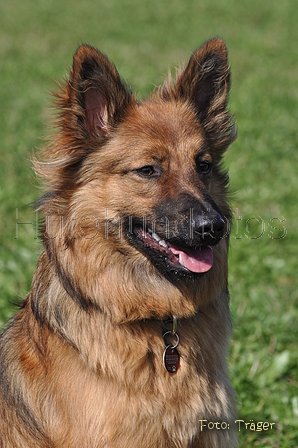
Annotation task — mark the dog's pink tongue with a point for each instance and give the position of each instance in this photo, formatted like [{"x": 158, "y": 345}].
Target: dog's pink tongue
[{"x": 195, "y": 260}]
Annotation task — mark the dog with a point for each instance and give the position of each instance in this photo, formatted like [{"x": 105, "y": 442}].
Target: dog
[{"x": 122, "y": 340}]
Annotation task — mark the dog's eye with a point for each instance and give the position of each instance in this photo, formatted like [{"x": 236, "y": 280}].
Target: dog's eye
[
  {"x": 145, "y": 171},
  {"x": 204, "y": 167}
]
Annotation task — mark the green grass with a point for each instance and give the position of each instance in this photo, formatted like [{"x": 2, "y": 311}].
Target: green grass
[{"x": 37, "y": 41}]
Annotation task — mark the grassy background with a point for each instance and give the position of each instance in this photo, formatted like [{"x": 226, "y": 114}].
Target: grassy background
[{"x": 144, "y": 37}]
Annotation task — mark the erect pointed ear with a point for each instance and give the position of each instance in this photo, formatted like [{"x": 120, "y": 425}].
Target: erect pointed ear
[
  {"x": 206, "y": 83},
  {"x": 95, "y": 93}
]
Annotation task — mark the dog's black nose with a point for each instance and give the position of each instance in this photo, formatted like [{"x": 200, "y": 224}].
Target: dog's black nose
[{"x": 209, "y": 227}]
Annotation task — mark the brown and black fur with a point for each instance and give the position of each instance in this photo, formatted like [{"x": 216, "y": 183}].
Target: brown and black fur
[{"x": 81, "y": 362}]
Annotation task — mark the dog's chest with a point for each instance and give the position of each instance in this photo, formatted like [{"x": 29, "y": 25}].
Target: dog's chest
[{"x": 141, "y": 405}]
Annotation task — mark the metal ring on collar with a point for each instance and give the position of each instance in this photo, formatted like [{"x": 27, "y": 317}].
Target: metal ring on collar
[{"x": 172, "y": 334}]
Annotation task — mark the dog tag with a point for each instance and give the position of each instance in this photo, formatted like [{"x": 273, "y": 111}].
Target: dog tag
[{"x": 171, "y": 359}]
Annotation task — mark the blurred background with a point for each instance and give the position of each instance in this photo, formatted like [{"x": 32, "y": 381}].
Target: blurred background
[{"x": 143, "y": 38}]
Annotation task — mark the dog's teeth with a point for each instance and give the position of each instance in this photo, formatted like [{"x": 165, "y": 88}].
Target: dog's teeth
[
  {"x": 143, "y": 233},
  {"x": 162, "y": 243},
  {"x": 180, "y": 259},
  {"x": 155, "y": 236}
]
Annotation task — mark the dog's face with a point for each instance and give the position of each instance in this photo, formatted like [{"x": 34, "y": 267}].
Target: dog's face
[
  {"x": 139, "y": 184},
  {"x": 164, "y": 181}
]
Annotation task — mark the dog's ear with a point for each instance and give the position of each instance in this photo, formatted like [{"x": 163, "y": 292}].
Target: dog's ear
[
  {"x": 95, "y": 96},
  {"x": 206, "y": 83}
]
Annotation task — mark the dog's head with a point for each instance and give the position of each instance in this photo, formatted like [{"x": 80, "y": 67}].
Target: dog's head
[{"x": 138, "y": 186}]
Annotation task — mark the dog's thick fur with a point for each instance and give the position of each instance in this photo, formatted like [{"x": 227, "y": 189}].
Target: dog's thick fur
[{"x": 81, "y": 363}]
